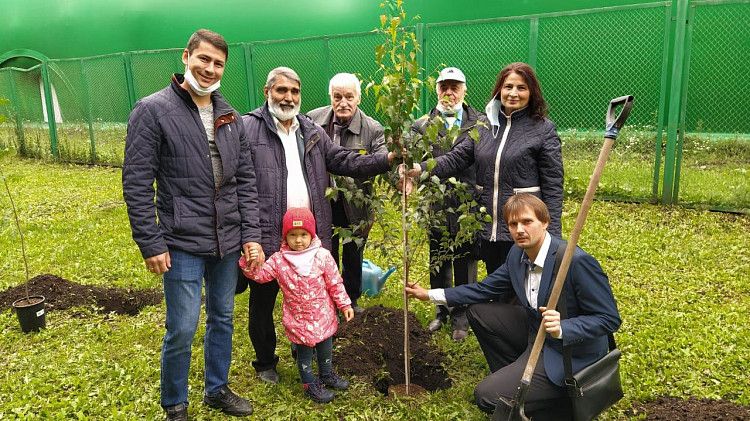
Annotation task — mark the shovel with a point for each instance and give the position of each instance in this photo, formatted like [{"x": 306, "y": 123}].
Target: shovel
[{"x": 513, "y": 410}]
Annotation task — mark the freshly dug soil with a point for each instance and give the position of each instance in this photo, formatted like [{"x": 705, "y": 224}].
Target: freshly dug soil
[
  {"x": 61, "y": 294},
  {"x": 372, "y": 345},
  {"x": 691, "y": 409}
]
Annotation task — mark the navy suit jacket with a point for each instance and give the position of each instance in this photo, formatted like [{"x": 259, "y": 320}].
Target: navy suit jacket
[{"x": 592, "y": 311}]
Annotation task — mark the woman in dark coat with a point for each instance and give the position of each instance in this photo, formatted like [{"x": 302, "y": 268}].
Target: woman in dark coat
[{"x": 519, "y": 152}]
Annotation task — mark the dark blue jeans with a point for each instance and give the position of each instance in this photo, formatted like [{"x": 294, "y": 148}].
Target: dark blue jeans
[
  {"x": 182, "y": 292},
  {"x": 324, "y": 351}
]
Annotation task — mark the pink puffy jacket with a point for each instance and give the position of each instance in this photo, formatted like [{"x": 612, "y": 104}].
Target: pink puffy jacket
[{"x": 309, "y": 309}]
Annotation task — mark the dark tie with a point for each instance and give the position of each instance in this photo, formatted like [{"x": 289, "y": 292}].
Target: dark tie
[{"x": 530, "y": 266}]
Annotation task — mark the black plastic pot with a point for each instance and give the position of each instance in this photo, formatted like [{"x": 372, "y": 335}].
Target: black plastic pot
[{"x": 30, "y": 313}]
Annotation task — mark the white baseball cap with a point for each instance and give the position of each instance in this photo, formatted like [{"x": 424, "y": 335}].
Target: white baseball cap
[{"x": 451, "y": 73}]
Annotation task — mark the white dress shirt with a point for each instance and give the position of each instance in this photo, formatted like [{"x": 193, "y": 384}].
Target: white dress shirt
[
  {"x": 296, "y": 186},
  {"x": 534, "y": 277}
]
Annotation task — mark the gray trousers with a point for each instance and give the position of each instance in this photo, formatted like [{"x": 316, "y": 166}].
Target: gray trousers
[{"x": 503, "y": 334}]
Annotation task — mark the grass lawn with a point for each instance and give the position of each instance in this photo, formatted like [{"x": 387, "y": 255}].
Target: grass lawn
[
  {"x": 681, "y": 278},
  {"x": 714, "y": 170}
]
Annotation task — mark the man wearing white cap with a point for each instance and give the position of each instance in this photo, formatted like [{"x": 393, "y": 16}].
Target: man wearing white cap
[{"x": 461, "y": 264}]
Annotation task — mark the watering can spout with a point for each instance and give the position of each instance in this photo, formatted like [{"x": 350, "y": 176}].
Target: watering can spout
[
  {"x": 385, "y": 276},
  {"x": 373, "y": 277}
]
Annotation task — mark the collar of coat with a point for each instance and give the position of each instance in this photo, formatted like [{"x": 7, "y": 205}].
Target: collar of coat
[
  {"x": 494, "y": 108},
  {"x": 355, "y": 126}
]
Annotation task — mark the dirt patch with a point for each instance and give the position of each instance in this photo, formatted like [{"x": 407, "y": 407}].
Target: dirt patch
[
  {"x": 374, "y": 343},
  {"x": 61, "y": 294},
  {"x": 692, "y": 409}
]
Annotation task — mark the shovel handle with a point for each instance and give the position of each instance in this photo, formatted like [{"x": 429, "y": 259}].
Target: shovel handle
[
  {"x": 615, "y": 122},
  {"x": 588, "y": 199}
]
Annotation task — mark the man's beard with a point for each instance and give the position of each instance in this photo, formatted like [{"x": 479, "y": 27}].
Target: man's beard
[{"x": 279, "y": 112}]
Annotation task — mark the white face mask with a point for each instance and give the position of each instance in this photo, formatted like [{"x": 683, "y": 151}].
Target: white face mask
[
  {"x": 449, "y": 110},
  {"x": 195, "y": 86}
]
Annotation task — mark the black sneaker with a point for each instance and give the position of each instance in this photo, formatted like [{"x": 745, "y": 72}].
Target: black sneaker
[
  {"x": 317, "y": 392},
  {"x": 334, "y": 381},
  {"x": 178, "y": 412},
  {"x": 229, "y": 403},
  {"x": 270, "y": 375}
]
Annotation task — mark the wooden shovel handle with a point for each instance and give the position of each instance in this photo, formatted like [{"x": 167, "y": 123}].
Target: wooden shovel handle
[{"x": 588, "y": 200}]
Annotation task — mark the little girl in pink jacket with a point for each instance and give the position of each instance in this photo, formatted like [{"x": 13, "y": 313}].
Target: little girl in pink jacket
[{"x": 312, "y": 287}]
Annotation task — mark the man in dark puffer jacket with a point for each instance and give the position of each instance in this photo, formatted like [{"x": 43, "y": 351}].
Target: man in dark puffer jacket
[
  {"x": 292, "y": 157},
  {"x": 189, "y": 140}
]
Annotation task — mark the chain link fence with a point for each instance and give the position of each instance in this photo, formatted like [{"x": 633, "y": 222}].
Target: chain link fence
[
  {"x": 583, "y": 59},
  {"x": 714, "y": 162}
]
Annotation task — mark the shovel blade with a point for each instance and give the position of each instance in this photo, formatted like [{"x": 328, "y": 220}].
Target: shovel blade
[{"x": 509, "y": 410}]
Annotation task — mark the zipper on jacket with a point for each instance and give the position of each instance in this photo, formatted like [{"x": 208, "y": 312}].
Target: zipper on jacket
[{"x": 496, "y": 192}]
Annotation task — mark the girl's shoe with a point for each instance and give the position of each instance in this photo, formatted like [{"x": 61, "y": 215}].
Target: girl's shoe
[
  {"x": 317, "y": 392},
  {"x": 333, "y": 381}
]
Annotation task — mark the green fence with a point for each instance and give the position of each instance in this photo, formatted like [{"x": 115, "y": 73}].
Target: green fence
[{"x": 686, "y": 62}]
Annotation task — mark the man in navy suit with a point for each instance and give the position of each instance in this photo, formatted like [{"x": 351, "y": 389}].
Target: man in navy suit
[{"x": 505, "y": 332}]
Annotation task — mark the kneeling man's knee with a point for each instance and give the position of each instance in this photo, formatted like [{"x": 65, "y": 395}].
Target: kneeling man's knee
[{"x": 486, "y": 396}]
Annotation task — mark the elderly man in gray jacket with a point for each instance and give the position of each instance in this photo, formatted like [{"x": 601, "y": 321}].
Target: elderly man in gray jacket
[
  {"x": 351, "y": 128},
  {"x": 292, "y": 157}
]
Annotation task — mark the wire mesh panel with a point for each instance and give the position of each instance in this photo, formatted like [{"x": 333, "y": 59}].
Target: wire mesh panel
[
  {"x": 480, "y": 50},
  {"x": 307, "y": 57},
  {"x": 355, "y": 54},
  {"x": 719, "y": 58},
  {"x": 7, "y": 128},
  {"x": 74, "y": 144},
  {"x": 110, "y": 105},
  {"x": 108, "y": 88},
  {"x": 152, "y": 70},
  {"x": 6, "y": 93},
  {"x": 234, "y": 82},
  {"x": 715, "y": 167},
  {"x": 587, "y": 59},
  {"x": 28, "y": 93},
  {"x": 27, "y": 85}
]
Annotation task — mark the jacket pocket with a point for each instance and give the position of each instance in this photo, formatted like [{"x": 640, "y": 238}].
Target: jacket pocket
[{"x": 535, "y": 190}]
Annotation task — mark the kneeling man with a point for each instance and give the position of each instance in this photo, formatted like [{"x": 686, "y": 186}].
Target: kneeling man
[{"x": 505, "y": 332}]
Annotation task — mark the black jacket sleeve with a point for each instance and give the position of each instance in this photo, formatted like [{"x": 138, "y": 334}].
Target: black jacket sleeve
[
  {"x": 459, "y": 158},
  {"x": 247, "y": 192},
  {"x": 139, "y": 170},
  {"x": 551, "y": 178},
  {"x": 343, "y": 161}
]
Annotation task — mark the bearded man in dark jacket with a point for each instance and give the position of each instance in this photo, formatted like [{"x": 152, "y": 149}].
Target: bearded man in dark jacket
[{"x": 292, "y": 156}]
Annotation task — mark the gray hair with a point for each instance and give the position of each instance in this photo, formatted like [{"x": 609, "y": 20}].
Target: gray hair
[
  {"x": 282, "y": 71},
  {"x": 344, "y": 80}
]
